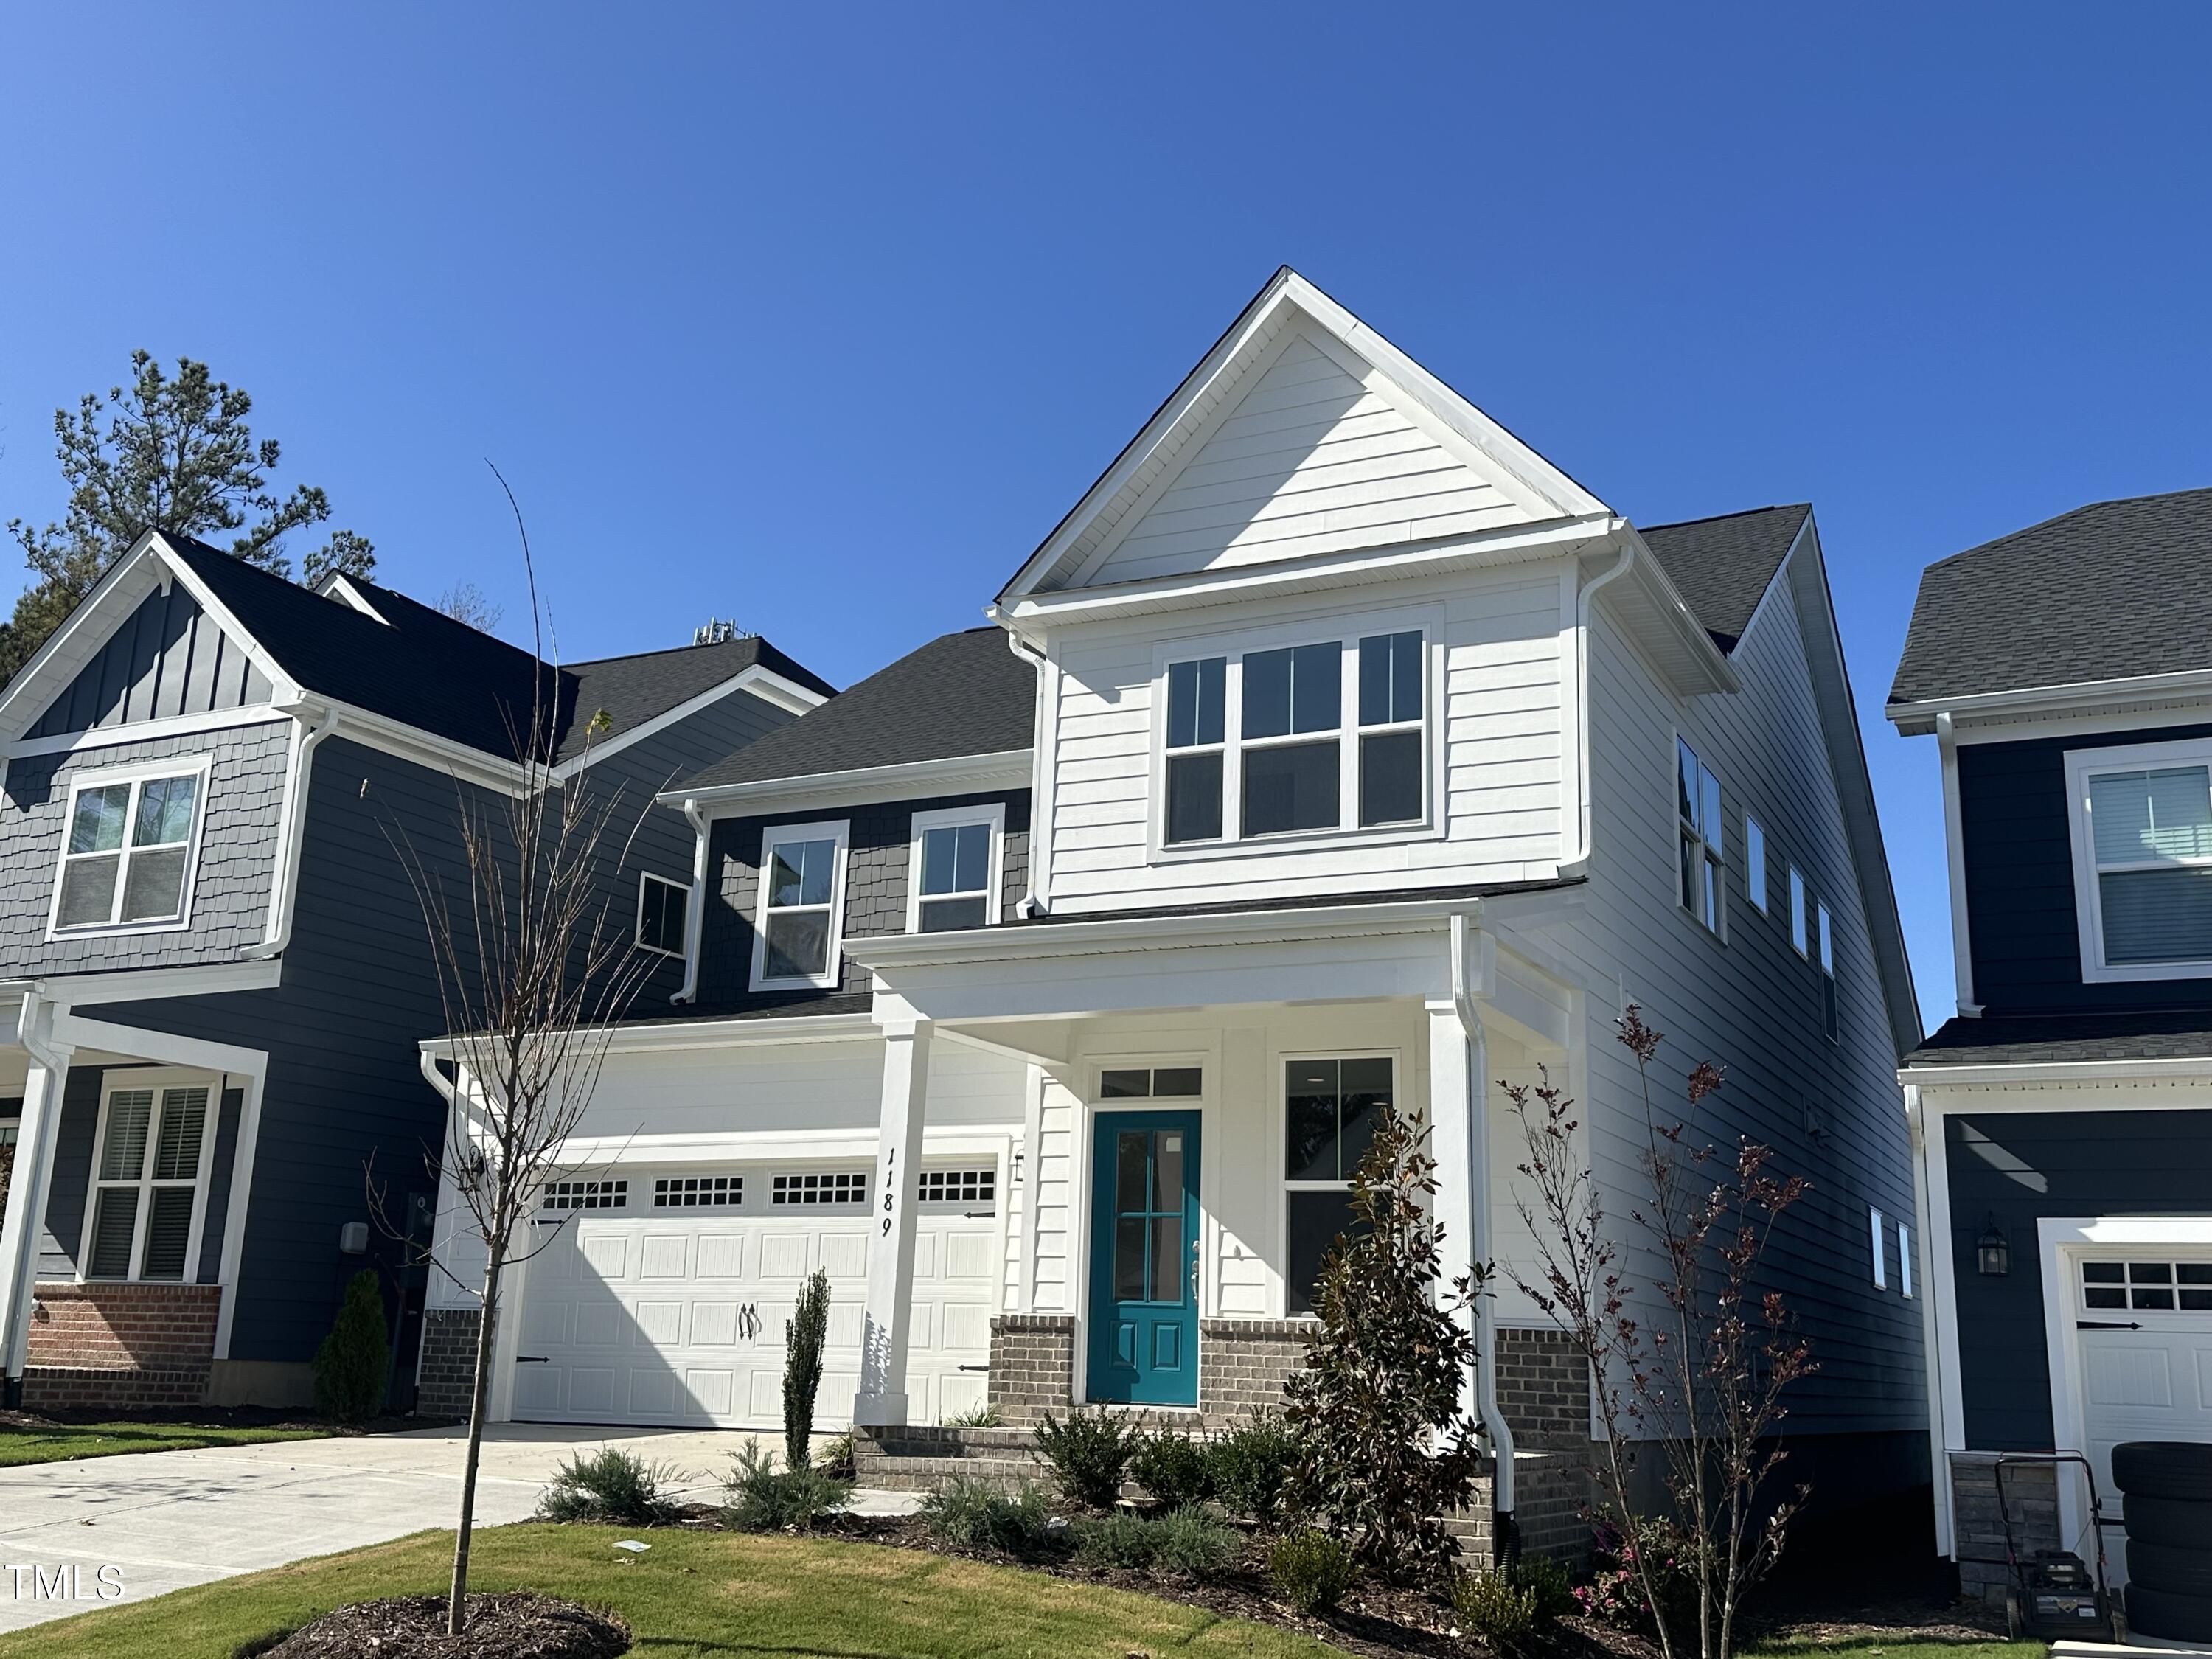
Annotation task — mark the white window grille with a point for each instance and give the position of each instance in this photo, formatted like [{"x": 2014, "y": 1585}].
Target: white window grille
[
  {"x": 698, "y": 1192},
  {"x": 959, "y": 1186},
  {"x": 587, "y": 1195},
  {"x": 834, "y": 1187}
]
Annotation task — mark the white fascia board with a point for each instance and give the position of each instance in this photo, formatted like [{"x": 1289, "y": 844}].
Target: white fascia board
[
  {"x": 1704, "y": 667},
  {"x": 338, "y": 583},
  {"x": 765, "y": 683},
  {"x": 1165, "y": 932},
  {"x": 174, "y": 726},
  {"x": 154, "y": 984},
  {"x": 955, "y": 774},
  {"x": 1316, "y": 573},
  {"x": 2031, "y": 1072},
  {"x": 2077, "y": 697},
  {"x": 411, "y": 743},
  {"x": 285, "y": 688},
  {"x": 673, "y": 1034}
]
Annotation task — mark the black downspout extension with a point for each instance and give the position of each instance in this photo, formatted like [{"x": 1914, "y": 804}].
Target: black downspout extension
[{"x": 1506, "y": 1548}]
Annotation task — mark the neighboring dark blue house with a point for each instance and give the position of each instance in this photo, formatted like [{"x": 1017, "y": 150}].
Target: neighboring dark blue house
[
  {"x": 2064, "y": 1117},
  {"x": 214, "y": 968}
]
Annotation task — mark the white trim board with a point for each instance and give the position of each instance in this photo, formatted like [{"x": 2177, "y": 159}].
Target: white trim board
[{"x": 953, "y": 775}]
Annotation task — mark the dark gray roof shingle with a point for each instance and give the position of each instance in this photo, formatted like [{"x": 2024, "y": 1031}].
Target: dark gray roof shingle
[
  {"x": 963, "y": 694},
  {"x": 1723, "y": 566},
  {"x": 2022, "y": 1040},
  {"x": 2107, "y": 591},
  {"x": 421, "y": 667}
]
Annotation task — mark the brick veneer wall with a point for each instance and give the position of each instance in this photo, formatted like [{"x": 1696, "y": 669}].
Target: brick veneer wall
[
  {"x": 2032, "y": 1495},
  {"x": 446, "y": 1379},
  {"x": 1243, "y": 1363},
  {"x": 120, "y": 1345},
  {"x": 1032, "y": 1366},
  {"x": 1543, "y": 1389}
]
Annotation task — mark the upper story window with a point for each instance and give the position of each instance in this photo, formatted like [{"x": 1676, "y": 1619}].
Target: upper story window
[
  {"x": 662, "y": 908},
  {"x": 1286, "y": 741},
  {"x": 127, "y": 861},
  {"x": 955, "y": 861},
  {"x": 1698, "y": 811},
  {"x": 1754, "y": 863},
  {"x": 1829, "y": 1016},
  {"x": 2143, "y": 860},
  {"x": 801, "y": 894},
  {"x": 1800, "y": 938}
]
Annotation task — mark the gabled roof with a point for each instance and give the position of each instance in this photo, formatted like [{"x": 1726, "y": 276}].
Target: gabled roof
[
  {"x": 2113, "y": 590},
  {"x": 1723, "y": 566},
  {"x": 961, "y": 695},
  {"x": 2067, "y": 1039}
]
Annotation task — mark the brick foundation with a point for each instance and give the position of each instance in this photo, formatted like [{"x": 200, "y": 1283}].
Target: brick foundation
[
  {"x": 1243, "y": 1364},
  {"x": 94, "y": 1347},
  {"x": 1032, "y": 1367},
  {"x": 445, "y": 1380},
  {"x": 2032, "y": 1495},
  {"x": 1543, "y": 1389}
]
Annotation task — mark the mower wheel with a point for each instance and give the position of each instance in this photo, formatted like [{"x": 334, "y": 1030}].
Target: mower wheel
[
  {"x": 2176, "y": 1618},
  {"x": 2162, "y": 1567},
  {"x": 2164, "y": 1469},
  {"x": 2172, "y": 1523}
]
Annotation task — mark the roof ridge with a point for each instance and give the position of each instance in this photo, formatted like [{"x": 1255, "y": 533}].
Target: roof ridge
[
  {"x": 1740, "y": 512},
  {"x": 664, "y": 650},
  {"x": 2070, "y": 513}
]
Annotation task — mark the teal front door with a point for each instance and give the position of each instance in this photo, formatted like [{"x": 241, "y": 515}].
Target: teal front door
[{"x": 1143, "y": 1258}]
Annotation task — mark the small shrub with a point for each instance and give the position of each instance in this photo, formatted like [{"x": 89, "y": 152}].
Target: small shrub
[
  {"x": 1117, "y": 1540},
  {"x": 1175, "y": 1468},
  {"x": 1311, "y": 1571},
  {"x": 984, "y": 1416},
  {"x": 1195, "y": 1542},
  {"x": 354, "y": 1360},
  {"x": 611, "y": 1485},
  {"x": 764, "y": 1499},
  {"x": 1554, "y": 1590},
  {"x": 1089, "y": 1454},
  {"x": 804, "y": 1338},
  {"x": 1500, "y": 1613},
  {"x": 971, "y": 1514},
  {"x": 1252, "y": 1467},
  {"x": 1615, "y": 1591},
  {"x": 835, "y": 1457}
]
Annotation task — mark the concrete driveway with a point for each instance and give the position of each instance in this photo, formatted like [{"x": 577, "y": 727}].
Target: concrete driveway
[{"x": 159, "y": 1520}]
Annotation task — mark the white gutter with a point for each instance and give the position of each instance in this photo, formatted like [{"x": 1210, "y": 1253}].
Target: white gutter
[
  {"x": 1003, "y": 766},
  {"x": 284, "y": 884},
  {"x": 694, "y": 919},
  {"x": 1478, "y": 1209},
  {"x": 1043, "y": 744},
  {"x": 1573, "y": 857}
]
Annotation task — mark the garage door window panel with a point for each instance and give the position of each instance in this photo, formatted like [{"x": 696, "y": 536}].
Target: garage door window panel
[{"x": 2148, "y": 1286}]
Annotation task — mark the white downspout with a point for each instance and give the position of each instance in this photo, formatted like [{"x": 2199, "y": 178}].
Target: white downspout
[
  {"x": 1578, "y": 854},
  {"x": 1043, "y": 745},
  {"x": 1478, "y": 1242},
  {"x": 695, "y": 920},
  {"x": 284, "y": 890},
  {"x": 33, "y": 1181}
]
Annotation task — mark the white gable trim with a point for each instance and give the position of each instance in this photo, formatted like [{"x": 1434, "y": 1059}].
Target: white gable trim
[
  {"x": 1178, "y": 429},
  {"x": 765, "y": 683}
]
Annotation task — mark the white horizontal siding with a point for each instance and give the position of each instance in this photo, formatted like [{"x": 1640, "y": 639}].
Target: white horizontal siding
[{"x": 1308, "y": 459}]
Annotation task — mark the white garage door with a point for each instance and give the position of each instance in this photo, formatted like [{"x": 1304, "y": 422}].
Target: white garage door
[
  {"x": 2146, "y": 1327},
  {"x": 663, "y": 1298}
]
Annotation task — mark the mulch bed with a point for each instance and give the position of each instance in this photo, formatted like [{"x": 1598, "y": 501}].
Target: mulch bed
[{"x": 517, "y": 1625}]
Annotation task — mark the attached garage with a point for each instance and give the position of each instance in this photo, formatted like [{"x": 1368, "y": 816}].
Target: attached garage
[{"x": 658, "y": 1297}]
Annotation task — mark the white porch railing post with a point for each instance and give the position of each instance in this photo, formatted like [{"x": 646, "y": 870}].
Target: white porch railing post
[
  {"x": 28, "y": 1188},
  {"x": 882, "y": 1399}
]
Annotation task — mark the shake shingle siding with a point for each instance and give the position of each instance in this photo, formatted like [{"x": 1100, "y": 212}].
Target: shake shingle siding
[{"x": 239, "y": 834}]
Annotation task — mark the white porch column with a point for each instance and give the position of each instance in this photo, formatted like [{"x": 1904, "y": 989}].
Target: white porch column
[
  {"x": 27, "y": 1187},
  {"x": 1462, "y": 1168},
  {"x": 882, "y": 1399}
]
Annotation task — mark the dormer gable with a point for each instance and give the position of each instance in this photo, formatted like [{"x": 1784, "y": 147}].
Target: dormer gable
[{"x": 1303, "y": 433}]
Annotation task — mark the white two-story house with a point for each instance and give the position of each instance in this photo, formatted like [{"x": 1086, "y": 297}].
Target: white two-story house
[{"x": 1336, "y": 752}]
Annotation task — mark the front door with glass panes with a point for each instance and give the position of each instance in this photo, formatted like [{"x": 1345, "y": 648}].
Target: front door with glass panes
[
  {"x": 154, "y": 1146},
  {"x": 1143, "y": 1258}
]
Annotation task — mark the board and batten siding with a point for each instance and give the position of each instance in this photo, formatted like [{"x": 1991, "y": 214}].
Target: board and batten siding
[
  {"x": 1748, "y": 1002},
  {"x": 1500, "y": 632},
  {"x": 239, "y": 829},
  {"x": 168, "y": 658},
  {"x": 1311, "y": 460}
]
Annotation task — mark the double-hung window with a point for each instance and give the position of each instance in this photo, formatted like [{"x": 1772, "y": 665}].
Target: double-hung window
[
  {"x": 1332, "y": 1106},
  {"x": 1294, "y": 740},
  {"x": 148, "y": 1176},
  {"x": 802, "y": 888},
  {"x": 127, "y": 859},
  {"x": 662, "y": 908},
  {"x": 2143, "y": 854},
  {"x": 1698, "y": 809},
  {"x": 955, "y": 861}
]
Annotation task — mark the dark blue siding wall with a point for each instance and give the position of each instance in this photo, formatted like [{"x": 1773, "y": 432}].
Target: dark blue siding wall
[
  {"x": 2018, "y": 848},
  {"x": 878, "y": 847},
  {"x": 2101, "y": 1164}
]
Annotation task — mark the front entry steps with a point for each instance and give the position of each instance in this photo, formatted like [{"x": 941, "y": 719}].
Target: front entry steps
[{"x": 921, "y": 1459}]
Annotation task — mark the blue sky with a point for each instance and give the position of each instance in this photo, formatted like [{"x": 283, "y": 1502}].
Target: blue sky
[{"x": 821, "y": 316}]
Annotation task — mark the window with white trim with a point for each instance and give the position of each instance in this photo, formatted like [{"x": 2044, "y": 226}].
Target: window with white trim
[
  {"x": 801, "y": 892},
  {"x": 1331, "y": 1107},
  {"x": 2143, "y": 853},
  {"x": 821, "y": 1187},
  {"x": 127, "y": 859},
  {"x": 2149, "y": 1286},
  {"x": 564, "y": 1195},
  {"x": 1256, "y": 743},
  {"x": 1799, "y": 938},
  {"x": 148, "y": 1177},
  {"x": 662, "y": 908},
  {"x": 1880, "y": 1251},
  {"x": 1755, "y": 865},
  {"x": 976, "y": 1185},
  {"x": 1905, "y": 1261},
  {"x": 1829, "y": 1014},
  {"x": 705, "y": 1192},
  {"x": 1698, "y": 814},
  {"x": 1151, "y": 1082},
  {"x": 955, "y": 860}
]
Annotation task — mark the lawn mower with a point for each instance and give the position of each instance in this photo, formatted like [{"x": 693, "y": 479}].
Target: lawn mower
[{"x": 2054, "y": 1596}]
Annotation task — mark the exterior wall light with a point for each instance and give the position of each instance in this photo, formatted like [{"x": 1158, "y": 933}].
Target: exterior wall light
[{"x": 1993, "y": 1251}]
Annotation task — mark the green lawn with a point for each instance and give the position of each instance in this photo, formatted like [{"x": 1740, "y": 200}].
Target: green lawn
[
  {"x": 1876, "y": 1647},
  {"x": 62, "y": 1442},
  {"x": 693, "y": 1594}
]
